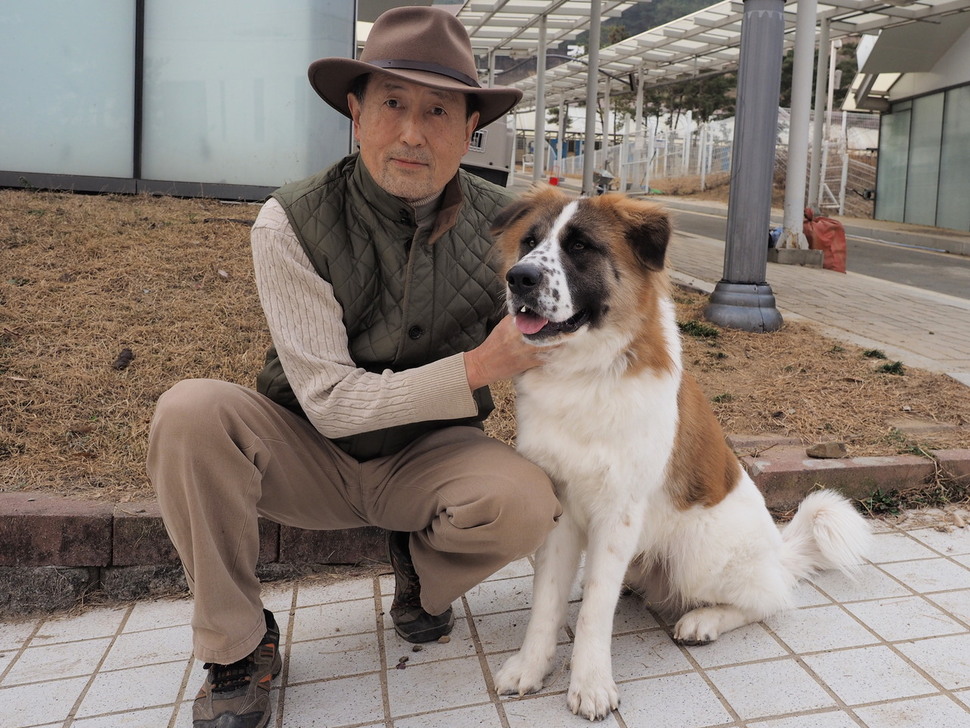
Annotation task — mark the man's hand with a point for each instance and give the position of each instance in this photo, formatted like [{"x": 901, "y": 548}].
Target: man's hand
[{"x": 502, "y": 355}]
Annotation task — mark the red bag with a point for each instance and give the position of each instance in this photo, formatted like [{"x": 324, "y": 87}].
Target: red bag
[{"x": 828, "y": 235}]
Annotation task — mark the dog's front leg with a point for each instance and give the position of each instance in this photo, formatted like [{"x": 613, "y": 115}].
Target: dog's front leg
[
  {"x": 557, "y": 561},
  {"x": 611, "y": 546}
]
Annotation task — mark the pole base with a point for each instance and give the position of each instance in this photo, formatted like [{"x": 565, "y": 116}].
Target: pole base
[{"x": 744, "y": 306}]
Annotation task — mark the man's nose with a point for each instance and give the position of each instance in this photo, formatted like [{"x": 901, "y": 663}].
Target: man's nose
[{"x": 412, "y": 129}]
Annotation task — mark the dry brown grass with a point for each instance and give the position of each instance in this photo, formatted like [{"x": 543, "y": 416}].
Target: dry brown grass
[{"x": 84, "y": 277}]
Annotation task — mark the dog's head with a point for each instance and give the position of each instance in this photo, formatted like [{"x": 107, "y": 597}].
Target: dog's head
[{"x": 572, "y": 264}]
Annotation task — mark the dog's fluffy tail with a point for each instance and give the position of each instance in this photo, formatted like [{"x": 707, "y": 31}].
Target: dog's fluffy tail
[{"x": 826, "y": 533}]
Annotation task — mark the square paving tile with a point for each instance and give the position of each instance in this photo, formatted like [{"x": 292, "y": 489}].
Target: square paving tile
[
  {"x": 819, "y": 628},
  {"x": 946, "y": 659},
  {"x": 482, "y": 716},
  {"x": 766, "y": 689},
  {"x": 870, "y": 582},
  {"x": 418, "y": 689},
  {"x": 931, "y": 575},
  {"x": 896, "y": 546},
  {"x": 815, "y": 720},
  {"x": 149, "y": 647},
  {"x": 87, "y": 625},
  {"x": 39, "y": 703},
  {"x": 53, "y": 662},
  {"x": 954, "y": 542},
  {"x": 133, "y": 689},
  {"x": 868, "y": 675},
  {"x": 333, "y": 657},
  {"x": 646, "y": 654},
  {"x": 957, "y": 603},
  {"x": 904, "y": 618},
  {"x": 675, "y": 701},
  {"x": 918, "y": 713},
  {"x": 332, "y": 703}
]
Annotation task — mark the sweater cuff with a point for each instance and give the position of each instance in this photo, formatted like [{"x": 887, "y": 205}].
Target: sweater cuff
[{"x": 441, "y": 390}]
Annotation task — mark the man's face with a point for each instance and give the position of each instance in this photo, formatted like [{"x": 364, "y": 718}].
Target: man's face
[{"x": 411, "y": 137}]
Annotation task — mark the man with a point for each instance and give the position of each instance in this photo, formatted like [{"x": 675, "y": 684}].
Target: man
[{"x": 384, "y": 306}]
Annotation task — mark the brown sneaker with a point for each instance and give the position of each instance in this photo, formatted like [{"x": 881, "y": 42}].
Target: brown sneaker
[
  {"x": 410, "y": 620},
  {"x": 237, "y": 695}
]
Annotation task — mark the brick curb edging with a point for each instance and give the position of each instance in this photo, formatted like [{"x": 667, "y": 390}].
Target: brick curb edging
[{"x": 56, "y": 552}]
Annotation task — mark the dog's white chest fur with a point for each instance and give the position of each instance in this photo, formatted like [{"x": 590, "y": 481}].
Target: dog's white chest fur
[{"x": 606, "y": 438}]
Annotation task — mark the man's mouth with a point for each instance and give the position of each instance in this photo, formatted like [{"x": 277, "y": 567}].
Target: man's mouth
[
  {"x": 532, "y": 324},
  {"x": 407, "y": 162}
]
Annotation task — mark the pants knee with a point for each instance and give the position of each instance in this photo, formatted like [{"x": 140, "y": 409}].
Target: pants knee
[
  {"x": 186, "y": 416},
  {"x": 530, "y": 512}
]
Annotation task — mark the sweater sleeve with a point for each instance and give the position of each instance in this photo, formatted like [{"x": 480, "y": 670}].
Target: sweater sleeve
[{"x": 306, "y": 325}]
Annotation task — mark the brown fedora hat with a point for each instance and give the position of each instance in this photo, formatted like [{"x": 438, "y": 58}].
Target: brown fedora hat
[{"x": 424, "y": 45}]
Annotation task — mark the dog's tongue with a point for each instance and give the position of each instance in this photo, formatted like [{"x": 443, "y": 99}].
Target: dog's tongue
[{"x": 529, "y": 323}]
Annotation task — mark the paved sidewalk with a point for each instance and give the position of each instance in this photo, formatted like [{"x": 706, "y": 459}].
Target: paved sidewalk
[
  {"x": 921, "y": 328},
  {"x": 890, "y": 650}
]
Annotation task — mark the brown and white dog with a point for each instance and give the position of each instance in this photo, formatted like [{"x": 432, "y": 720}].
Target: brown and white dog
[{"x": 650, "y": 490}]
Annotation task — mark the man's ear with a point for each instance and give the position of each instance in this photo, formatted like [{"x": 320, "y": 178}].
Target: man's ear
[
  {"x": 353, "y": 103},
  {"x": 470, "y": 127}
]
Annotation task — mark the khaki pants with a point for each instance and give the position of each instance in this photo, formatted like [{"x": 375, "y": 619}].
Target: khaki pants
[{"x": 221, "y": 454}]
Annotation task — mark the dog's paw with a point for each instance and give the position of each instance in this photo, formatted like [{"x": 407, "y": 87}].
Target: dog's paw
[
  {"x": 592, "y": 699},
  {"x": 698, "y": 627},
  {"x": 521, "y": 675}
]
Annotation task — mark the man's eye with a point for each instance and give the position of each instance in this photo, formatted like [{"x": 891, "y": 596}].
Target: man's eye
[
  {"x": 392, "y": 103},
  {"x": 438, "y": 111}
]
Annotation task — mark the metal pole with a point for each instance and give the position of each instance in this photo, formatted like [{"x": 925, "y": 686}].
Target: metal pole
[
  {"x": 828, "y": 122},
  {"x": 743, "y": 299},
  {"x": 792, "y": 235},
  {"x": 703, "y": 155},
  {"x": 561, "y": 141},
  {"x": 539, "y": 158},
  {"x": 592, "y": 73},
  {"x": 844, "y": 149},
  {"x": 638, "y": 128},
  {"x": 821, "y": 80}
]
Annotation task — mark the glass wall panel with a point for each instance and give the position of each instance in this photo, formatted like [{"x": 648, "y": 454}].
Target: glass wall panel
[
  {"x": 226, "y": 95},
  {"x": 67, "y": 86},
  {"x": 953, "y": 210},
  {"x": 893, "y": 156},
  {"x": 923, "y": 176}
]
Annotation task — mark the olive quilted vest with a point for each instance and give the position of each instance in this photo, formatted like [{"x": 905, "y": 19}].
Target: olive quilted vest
[{"x": 410, "y": 296}]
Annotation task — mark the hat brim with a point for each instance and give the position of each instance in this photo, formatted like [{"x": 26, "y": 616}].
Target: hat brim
[{"x": 331, "y": 78}]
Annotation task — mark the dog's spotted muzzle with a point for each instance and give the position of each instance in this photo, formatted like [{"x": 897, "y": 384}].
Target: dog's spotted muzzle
[{"x": 526, "y": 288}]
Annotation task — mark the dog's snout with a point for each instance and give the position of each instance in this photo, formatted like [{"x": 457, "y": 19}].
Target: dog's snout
[{"x": 523, "y": 277}]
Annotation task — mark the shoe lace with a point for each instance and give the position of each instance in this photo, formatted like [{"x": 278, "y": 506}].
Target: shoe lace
[{"x": 225, "y": 678}]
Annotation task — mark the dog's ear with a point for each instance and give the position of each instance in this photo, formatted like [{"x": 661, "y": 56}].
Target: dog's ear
[
  {"x": 508, "y": 215},
  {"x": 647, "y": 232}
]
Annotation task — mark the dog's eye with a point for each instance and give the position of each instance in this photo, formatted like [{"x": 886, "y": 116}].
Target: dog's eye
[
  {"x": 577, "y": 245},
  {"x": 530, "y": 242}
]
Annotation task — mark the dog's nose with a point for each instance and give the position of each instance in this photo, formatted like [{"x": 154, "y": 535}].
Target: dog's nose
[{"x": 523, "y": 277}]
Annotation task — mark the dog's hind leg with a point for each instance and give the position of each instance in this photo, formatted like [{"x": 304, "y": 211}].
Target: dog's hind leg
[
  {"x": 557, "y": 562},
  {"x": 611, "y": 547}
]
